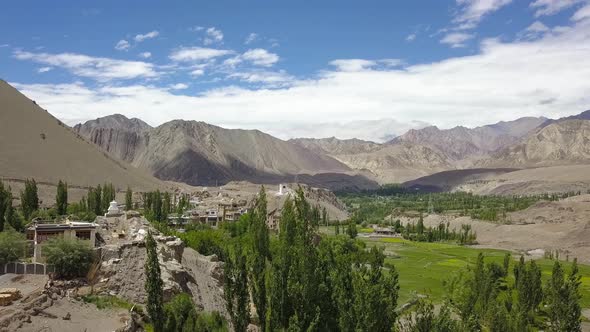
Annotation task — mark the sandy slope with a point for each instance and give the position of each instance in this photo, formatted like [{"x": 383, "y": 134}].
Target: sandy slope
[
  {"x": 532, "y": 181},
  {"x": 34, "y": 144},
  {"x": 562, "y": 225}
]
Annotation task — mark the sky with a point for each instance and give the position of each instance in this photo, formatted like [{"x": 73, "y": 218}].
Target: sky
[{"x": 365, "y": 69}]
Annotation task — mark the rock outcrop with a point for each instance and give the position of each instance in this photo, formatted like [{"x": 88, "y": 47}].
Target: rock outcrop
[
  {"x": 183, "y": 270},
  {"x": 560, "y": 143}
]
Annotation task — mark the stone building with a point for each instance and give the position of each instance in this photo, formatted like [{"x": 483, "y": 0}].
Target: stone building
[{"x": 38, "y": 233}]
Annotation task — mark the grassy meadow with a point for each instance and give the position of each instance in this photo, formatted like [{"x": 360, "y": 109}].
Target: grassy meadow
[{"x": 424, "y": 266}]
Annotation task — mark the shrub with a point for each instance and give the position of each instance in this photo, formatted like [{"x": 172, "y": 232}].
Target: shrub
[
  {"x": 71, "y": 258},
  {"x": 206, "y": 241},
  {"x": 107, "y": 302},
  {"x": 211, "y": 322},
  {"x": 12, "y": 246}
]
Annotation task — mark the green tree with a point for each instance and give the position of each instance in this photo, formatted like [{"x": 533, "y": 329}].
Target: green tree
[
  {"x": 29, "y": 198},
  {"x": 376, "y": 294},
  {"x": 153, "y": 285},
  {"x": 108, "y": 195},
  {"x": 11, "y": 216},
  {"x": 563, "y": 299},
  {"x": 259, "y": 253},
  {"x": 4, "y": 202},
  {"x": 236, "y": 294},
  {"x": 351, "y": 229},
  {"x": 98, "y": 201},
  {"x": 12, "y": 246},
  {"x": 574, "y": 311},
  {"x": 177, "y": 312},
  {"x": 281, "y": 306},
  {"x": 61, "y": 198},
  {"x": 71, "y": 258},
  {"x": 128, "y": 199},
  {"x": 166, "y": 206}
]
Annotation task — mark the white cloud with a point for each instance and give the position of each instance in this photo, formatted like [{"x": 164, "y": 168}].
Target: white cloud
[
  {"x": 537, "y": 27},
  {"x": 145, "y": 55},
  {"x": 380, "y": 130},
  {"x": 280, "y": 78},
  {"x": 187, "y": 54},
  {"x": 352, "y": 65},
  {"x": 456, "y": 39},
  {"x": 141, "y": 37},
  {"x": 411, "y": 37},
  {"x": 473, "y": 11},
  {"x": 213, "y": 36},
  {"x": 44, "y": 69},
  {"x": 101, "y": 69},
  {"x": 536, "y": 30},
  {"x": 502, "y": 81},
  {"x": 252, "y": 37},
  {"x": 122, "y": 45},
  {"x": 551, "y": 7},
  {"x": 582, "y": 13},
  {"x": 197, "y": 72},
  {"x": 179, "y": 86},
  {"x": 260, "y": 57}
]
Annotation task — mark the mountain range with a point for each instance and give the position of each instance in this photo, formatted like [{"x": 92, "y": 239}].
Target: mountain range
[{"x": 197, "y": 153}]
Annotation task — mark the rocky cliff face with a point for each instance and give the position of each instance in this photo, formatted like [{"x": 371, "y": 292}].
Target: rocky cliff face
[
  {"x": 460, "y": 143},
  {"x": 560, "y": 143},
  {"x": 333, "y": 146},
  {"x": 116, "y": 134}
]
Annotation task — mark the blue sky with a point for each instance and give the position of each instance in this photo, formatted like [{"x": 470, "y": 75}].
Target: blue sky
[{"x": 369, "y": 69}]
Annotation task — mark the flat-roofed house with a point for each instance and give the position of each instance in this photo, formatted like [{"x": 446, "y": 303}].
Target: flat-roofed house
[{"x": 39, "y": 233}]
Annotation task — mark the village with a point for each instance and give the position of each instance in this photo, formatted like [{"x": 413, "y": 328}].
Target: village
[{"x": 30, "y": 296}]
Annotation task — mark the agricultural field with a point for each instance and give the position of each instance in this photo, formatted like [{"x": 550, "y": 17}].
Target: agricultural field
[{"x": 423, "y": 267}]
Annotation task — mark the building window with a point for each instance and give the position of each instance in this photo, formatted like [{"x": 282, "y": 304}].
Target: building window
[
  {"x": 42, "y": 237},
  {"x": 83, "y": 235}
]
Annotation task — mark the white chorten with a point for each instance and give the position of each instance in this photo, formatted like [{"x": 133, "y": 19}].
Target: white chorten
[{"x": 113, "y": 209}]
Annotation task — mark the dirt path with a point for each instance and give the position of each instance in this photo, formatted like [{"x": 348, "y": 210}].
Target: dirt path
[{"x": 83, "y": 317}]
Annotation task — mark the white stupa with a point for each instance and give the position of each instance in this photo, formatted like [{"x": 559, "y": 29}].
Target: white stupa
[{"x": 113, "y": 210}]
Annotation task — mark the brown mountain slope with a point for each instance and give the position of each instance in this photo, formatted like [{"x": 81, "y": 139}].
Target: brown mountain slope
[
  {"x": 335, "y": 146},
  {"x": 202, "y": 154},
  {"x": 561, "y": 143},
  {"x": 34, "y": 144},
  {"x": 460, "y": 142},
  {"x": 398, "y": 163}
]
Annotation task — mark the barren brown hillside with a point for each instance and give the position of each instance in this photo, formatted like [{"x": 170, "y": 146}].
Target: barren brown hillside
[{"x": 34, "y": 144}]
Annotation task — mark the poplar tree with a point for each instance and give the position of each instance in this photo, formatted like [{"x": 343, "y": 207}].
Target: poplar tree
[
  {"x": 29, "y": 198},
  {"x": 10, "y": 216},
  {"x": 3, "y": 205},
  {"x": 61, "y": 199},
  {"x": 259, "y": 253},
  {"x": 128, "y": 199},
  {"x": 237, "y": 298},
  {"x": 108, "y": 195},
  {"x": 154, "y": 285},
  {"x": 573, "y": 319},
  {"x": 166, "y": 206},
  {"x": 564, "y": 299}
]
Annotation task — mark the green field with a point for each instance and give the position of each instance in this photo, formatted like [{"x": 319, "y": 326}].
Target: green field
[{"x": 423, "y": 266}]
